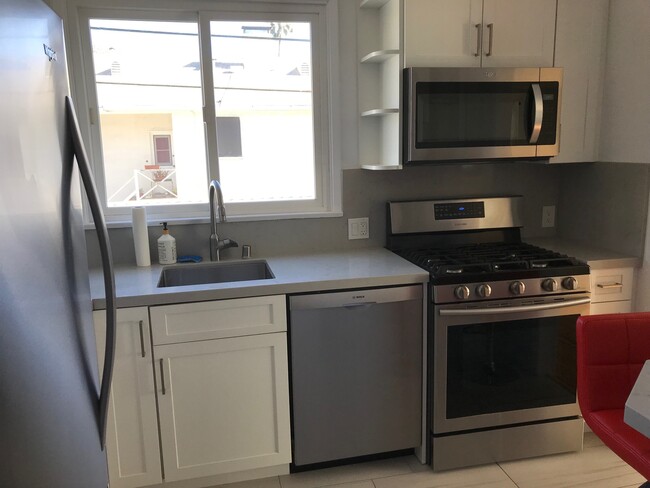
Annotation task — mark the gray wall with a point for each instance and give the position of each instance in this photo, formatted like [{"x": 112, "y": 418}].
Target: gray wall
[
  {"x": 365, "y": 194},
  {"x": 605, "y": 204}
]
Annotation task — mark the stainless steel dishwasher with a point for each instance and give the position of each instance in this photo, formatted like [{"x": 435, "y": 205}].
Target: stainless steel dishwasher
[{"x": 356, "y": 373}]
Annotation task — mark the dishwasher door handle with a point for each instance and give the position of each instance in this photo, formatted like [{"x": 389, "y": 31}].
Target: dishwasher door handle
[
  {"x": 355, "y": 298},
  {"x": 364, "y": 305}
]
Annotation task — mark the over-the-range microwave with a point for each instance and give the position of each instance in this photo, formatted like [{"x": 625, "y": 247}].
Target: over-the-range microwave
[{"x": 470, "y": 114}]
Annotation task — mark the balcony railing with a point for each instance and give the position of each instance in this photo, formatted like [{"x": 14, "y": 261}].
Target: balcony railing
[{"x": 146, "y": 185}]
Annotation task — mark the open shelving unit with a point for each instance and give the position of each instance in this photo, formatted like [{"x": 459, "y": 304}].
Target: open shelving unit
[{"x": 379, "y": 78}]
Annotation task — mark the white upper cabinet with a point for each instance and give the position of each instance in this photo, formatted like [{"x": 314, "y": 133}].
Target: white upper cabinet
[
  {"x": 518, "y": 33},
  {"x": 475, "y": 33},
  {"x": 443, "y": 33},
  {"x": 580, "y": 50}
]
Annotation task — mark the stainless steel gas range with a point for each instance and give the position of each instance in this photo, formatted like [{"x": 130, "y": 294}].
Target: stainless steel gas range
[{"x": 501, "y": 331}]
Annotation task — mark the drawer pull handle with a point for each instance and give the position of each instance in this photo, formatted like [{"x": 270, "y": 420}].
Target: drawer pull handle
[
  {"x": 608, "y": 286},
  {"x": 142, "y": 351},
  {"x": 162, "y": 376}
]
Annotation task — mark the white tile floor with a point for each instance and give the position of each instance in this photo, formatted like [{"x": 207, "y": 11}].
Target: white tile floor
[{"x": 595, "y": 467}]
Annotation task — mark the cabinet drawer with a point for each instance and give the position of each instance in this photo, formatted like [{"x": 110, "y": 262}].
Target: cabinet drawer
[
  {"x": 218, "y": 319},
  {"x": 609, "y": 285}
]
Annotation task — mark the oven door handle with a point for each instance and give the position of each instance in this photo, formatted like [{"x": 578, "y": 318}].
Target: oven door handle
[{"x": 524, "y": 308}]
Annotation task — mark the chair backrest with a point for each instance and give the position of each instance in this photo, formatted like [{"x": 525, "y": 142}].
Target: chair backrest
[{"x": 611, "y": 352}]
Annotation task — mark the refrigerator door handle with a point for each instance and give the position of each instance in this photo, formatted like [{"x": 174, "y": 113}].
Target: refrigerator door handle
[{"x": 107, "y": 263}]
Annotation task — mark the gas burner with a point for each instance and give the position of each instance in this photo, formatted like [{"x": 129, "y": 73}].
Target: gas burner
[
  {"x": 483, "y": 258},
  {"x": 491, "y": 261}
]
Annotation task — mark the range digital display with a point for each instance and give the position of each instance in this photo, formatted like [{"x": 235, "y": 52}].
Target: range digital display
[{"x": 462, "y": 210}]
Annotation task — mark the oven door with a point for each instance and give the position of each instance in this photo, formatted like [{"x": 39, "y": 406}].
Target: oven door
[{"x": 505, "y": 362}]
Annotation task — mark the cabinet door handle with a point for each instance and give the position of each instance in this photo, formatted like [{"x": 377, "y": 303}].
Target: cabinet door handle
[
  {"x": 606, "y": 286},
  {"x": 140, "y": 324},
  {"x": 162, "y": 376},
  {"x": 490, "y": 38},
  {"x": 479, "y": 35}
]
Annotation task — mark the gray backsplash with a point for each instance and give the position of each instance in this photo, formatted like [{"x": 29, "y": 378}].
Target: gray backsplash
[
  {"x": 600, "y": 214},
  {"x": 605, "y": 204}
]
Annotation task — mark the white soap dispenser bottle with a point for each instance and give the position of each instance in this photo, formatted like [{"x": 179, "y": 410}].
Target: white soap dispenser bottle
[{"x": 166, "y": 247}]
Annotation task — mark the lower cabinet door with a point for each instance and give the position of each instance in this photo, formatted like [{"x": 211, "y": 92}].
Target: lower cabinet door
[
  {"x": 132, "y": 442},
  {"x": 223, "y": 405}
]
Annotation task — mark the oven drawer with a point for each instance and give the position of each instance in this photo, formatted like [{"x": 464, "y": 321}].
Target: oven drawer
[{"x": 610, "y": 285}]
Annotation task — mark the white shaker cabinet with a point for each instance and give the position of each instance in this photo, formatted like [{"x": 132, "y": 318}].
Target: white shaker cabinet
[
  {"x": 475, "y": 33},
  {"x": 223, "y": 401},
  {"x": 580, "y": 50},
  {"x": 132, "y": 442},
  {"x": 443, "y": 33},
  {"x": 611, "y": 290}
]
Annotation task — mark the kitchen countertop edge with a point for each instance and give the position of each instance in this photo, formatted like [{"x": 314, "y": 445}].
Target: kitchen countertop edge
[{"x": 317, "y": 272}]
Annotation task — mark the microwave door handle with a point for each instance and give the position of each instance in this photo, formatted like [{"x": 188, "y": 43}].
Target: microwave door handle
[{"x": 538, "y": 107}]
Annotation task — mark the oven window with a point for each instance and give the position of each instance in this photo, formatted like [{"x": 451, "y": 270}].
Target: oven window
[{"x": 502, "y": 366}]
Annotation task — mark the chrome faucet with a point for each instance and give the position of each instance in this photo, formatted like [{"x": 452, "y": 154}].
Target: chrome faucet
[{"x": 216, "y": 244}]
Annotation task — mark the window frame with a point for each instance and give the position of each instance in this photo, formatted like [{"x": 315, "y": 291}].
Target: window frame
[{"x": 323, "y": 15}]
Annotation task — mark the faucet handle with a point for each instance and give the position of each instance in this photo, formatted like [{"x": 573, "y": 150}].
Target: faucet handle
[{"x": 226, "y": 243}]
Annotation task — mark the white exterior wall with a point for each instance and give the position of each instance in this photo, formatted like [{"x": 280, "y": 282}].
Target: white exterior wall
[{"x": 189, "y": 155}]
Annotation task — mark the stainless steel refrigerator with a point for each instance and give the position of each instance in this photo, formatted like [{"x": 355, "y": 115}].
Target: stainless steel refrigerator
[{"x": 51, "y": 416}]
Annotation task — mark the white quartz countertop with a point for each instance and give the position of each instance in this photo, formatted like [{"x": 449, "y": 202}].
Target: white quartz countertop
[
  {"x": 595, "y": 257},
  {"x": 637, "y": 407},
  {"x": 137, "y": 286}
]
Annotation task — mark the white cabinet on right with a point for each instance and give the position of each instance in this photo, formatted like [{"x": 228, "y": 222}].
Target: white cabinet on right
[
  {"x": 611, "y": 290},
  {"x": 580, "y": 48},
  {"x": 475, "y": 33}
]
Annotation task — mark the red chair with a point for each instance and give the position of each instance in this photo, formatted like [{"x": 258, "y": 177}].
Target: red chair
[{"x": 611, "y": 352}]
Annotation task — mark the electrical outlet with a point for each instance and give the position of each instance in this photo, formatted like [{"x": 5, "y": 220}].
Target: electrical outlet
[
  {"x": 548, "y": 216},
  {"x": 358, "y": 228}
]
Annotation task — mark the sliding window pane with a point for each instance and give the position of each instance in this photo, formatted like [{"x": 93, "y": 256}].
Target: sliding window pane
[
  {"x": 151, "y": 111},
  {"x": 264, "y": 106}
]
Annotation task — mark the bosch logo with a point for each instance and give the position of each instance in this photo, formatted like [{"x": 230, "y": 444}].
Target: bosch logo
[{"x": 358, "y": 297}]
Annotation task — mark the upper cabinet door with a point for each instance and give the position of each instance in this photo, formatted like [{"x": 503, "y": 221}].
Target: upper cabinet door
[
  {"x": 580, "y": 50},
  {"x": 443, "y": 33},
  {"x": 518, "y": 33}
]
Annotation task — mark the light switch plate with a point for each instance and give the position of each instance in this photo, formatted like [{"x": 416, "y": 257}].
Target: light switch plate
[{"x": 358, "y": 228}]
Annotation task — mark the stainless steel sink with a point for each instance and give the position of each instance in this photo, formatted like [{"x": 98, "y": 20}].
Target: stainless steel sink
[{"x": 201, "y": 274}]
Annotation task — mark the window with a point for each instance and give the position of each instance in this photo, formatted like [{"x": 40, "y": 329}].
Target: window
[{"x": 186, "y": 96}]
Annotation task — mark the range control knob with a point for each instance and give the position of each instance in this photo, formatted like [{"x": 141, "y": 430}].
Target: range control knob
[
  {"x": 462, "y": 292},
  {"x": 549, "y": 284},
  {"x": 570, "y": 283},
  {"x": 484, "y": 290},
  {"x": 517, "y": 288}
]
